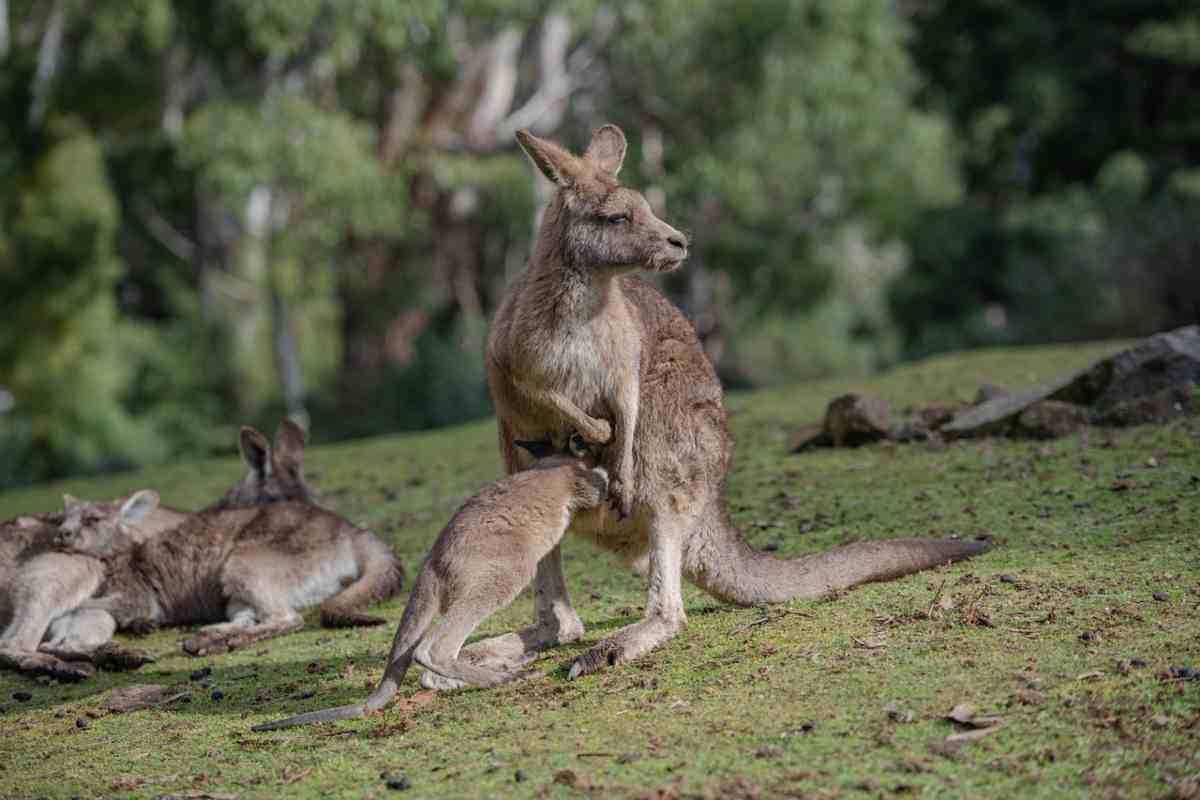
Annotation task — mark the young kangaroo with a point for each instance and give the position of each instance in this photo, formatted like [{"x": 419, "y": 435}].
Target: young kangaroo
[
  {"x": 484, "y": 557},
  {"x": 248, "y": 572},
  {"x": 39, "y": 588},
  {"x": 577, "y": 339}
]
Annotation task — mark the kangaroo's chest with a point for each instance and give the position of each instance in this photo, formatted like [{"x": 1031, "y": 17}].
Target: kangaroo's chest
[{"x": 586, "y": 363}]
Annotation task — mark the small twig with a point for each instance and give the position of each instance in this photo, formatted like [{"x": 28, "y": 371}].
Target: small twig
[
  {"x": 749, "y": 625},
  {"x": 936, "y": 597},
  {"x": 594, "y": 755}
]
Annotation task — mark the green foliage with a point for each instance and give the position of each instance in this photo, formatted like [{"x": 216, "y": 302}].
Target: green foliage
[{"x": 61, "y": 354}]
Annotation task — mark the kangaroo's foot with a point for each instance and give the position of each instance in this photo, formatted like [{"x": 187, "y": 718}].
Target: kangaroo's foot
[
  {"x": 508, "y": 652},
  {"x": 626, "y": 644},
  {"x": 216, "y": 639},
  {"x": 115, "y": 657},
  {"x": 46, "y": 664}
]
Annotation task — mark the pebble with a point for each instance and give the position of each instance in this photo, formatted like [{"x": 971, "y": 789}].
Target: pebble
[
  {"x": 22, "y": 696},
  {"x": 1161, "y": 597},
  {"x": 218, "y": 695},
  {"x": 519, "y": 776},
  {"x": 201, "y": 674},
  {"x": 398, "y": 781},
  {"x": 81, "y": 723}
]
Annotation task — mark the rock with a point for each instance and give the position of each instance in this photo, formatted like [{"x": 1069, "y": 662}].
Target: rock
[
  {"x": 218, "y": 695},
  {"x": 22, "y": 697},
  {"x": 1176, "y": 401},
  {"x": 519, "y": 776},
  {"x": 1160, "y": 362},
  {"x": 994, "y": 416},
  {"x": 923, "y": 423},
  {"x": 855, "y": 419},
  {"x": 808, "y": 437},
  {"x": 82, "y": 724},
  {"x": 1161, "y": 597},
  {"x": 1050, "y": 419},
  {"x": 201, "y": 674},
  {"x": 396, "y": 781},
  {"x": 988, "y": 392}
]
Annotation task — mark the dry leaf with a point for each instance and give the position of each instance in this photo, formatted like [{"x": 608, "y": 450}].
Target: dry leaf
[
  {"x": 299, "y": 775},
  {"x": 418, "y": 700}
]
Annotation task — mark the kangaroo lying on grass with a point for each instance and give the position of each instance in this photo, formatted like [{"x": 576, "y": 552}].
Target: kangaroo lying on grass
[
  {"x": 484, "y": 557},
  {"x": 248, "y": 572},
  {"x": 577, "y": 340},
  {"x": 38, "y": 586}
]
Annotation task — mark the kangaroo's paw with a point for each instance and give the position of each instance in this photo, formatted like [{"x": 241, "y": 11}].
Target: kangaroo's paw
[
  {"x": 117, "y": 658},
  {"x": 630, "y": 642},
  {"x": 432, "y": 680},
  {"x": 214, "y": 642},
  {"x": 47, "y": 664}
]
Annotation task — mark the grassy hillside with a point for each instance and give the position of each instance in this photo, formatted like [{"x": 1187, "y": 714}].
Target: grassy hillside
[{"x": 746, "y": 702}]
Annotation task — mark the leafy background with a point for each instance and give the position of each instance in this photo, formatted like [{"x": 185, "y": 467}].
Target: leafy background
[{"x": 212, "y": 213}]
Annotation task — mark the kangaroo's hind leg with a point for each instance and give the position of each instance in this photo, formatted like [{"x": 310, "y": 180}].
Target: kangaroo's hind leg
[{"x": 439, "y": 651}]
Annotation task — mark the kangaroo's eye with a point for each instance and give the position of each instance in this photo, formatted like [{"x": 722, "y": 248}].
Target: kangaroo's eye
[{"x": 617, "y": 219}]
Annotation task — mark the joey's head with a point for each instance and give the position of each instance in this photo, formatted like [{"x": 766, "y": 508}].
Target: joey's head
[
  {"x": 102, "y": 530},
  {"x": 589, "y": 481},
  {"x": 594, "y": 222},
  {"x": 274, "y": 474}
]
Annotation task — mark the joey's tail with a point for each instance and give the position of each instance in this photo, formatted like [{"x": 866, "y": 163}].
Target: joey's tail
[
  {"x": 382, "y": 577},
  {"x": 718, "y": 560},
  {"x": 420, "y": 611}
]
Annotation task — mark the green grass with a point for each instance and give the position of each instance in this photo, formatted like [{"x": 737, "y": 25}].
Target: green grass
[{"x": 1088, "y": 527}]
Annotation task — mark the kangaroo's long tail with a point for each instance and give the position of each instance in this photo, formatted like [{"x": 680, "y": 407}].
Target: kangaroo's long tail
[
  {"x": 420, "y": 611},
  {"x": 719, "y": 561}
]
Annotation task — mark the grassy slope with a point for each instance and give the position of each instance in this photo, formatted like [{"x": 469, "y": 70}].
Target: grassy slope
[{"x": 792, "y": 705}]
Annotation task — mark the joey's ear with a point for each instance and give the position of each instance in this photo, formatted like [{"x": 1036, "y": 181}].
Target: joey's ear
[
  {"x": 289, "y": 445},
  {"x": 537, "y": 449},
  {"x": 555, "y": 162},
  {"x": 607, "y": 149},
  {"x": 138, "y": 506},
  {"x": 256, "y": 451},
  {"x": 70, "y": 501}
]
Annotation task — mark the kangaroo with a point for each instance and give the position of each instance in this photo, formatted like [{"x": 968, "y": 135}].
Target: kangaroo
[
  {"x": 38, "y": 586},
  {"x": 575, "y": 335},
  {"x": 481, "y": 561},
  {"x": 246, "y": 572}
]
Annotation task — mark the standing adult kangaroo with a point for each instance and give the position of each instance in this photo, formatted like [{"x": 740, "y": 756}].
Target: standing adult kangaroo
[{"x": 577, "y": 342}]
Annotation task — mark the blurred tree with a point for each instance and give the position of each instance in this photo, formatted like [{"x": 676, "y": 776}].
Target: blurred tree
[{"x": 1079, "y": 124}]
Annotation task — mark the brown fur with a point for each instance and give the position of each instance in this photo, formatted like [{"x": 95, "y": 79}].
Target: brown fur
[
  {"x": 577, "y": 341},
  {"x": 484, "y": 557},
  {"x": 40, "y": 589},
  {"x": 254, "y": 567}
]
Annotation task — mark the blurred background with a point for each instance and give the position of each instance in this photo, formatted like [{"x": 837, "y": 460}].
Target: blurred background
[{"x": 215, "y": 213}]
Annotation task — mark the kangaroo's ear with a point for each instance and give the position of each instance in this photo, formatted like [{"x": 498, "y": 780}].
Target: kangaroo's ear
[
  {"x": 555, "y": 162},
  {"x": 607, "y": 149},
  {"x": 70, "y": 501},
  {"x": 138, "y": 506},
  {"x": 256, "y": 451},
  {"x": 289, "y": 446},
  {"x": 537, "y": 449}
]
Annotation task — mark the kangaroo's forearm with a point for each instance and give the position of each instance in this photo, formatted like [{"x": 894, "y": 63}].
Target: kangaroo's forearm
[{"x": 558, "y": 403}]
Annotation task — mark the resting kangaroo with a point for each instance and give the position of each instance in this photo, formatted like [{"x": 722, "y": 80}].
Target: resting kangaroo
[
  {"x": 577, "y": 340},
  {"x": 484, "y": 557},
  {"x": 38, "y": 586},
  {"x": 247, "y": 571}
]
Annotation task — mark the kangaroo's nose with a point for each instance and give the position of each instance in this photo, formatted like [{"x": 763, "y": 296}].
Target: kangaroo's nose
[{"x": 679, "y": 240}]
